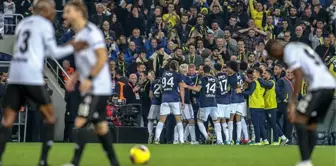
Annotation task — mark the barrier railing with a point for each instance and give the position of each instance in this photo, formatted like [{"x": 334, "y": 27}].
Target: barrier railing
[
  {"x": 56, "y": 68},
  {"x": 8, "y": 22}
]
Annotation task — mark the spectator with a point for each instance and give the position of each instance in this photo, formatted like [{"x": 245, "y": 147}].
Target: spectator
[
  {"x": 9, "y": 10},
  {"x": 316, "y": 39},
  {"x": 122, "y": 43},
  {"x": 242, "y": 52},
  {"x": 178, "y": 56},
  {"x": 171, "y": 18},
  {"x": 325, "y": 49},
  {"x": 251, "y": 39},
  {"x": 218, "y": 32},
  {"x": 122, "y": 64},
  {"x": 233, "y": 27},
  {"x": 222, "y": 49},
  {"x": 201, "y": 50},
  {"x": 99, "y": 17},
  {"x": 256, "y": 12},
  {"x": 192, "y": 57},
  {"x": 134, "y": 21},
  {"x": 231, "y": 44},
  {"x": 158, "y": 26},
  {"x": 158, "y": 58},
  {"x": 131, "y": 53},
  {"x": 116, "y": 26},
  {"x": 299, "y": 36},
  {"x": 183, "y": 29},
  {"x": 108, "y": 33},
  {"x": 218, "y": 14},
  {"x": 151, "y": 46},
  {"x": 137, "y": 39},
  {"x": 112, "y": 48},
  {"x": 68, "y": 69}
]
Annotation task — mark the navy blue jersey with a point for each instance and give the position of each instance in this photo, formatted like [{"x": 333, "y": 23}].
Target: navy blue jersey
[
  {"x": 208, "y": 91},
  {"x": 194, "y": 96},
  {"x": 189, "y": 82},
  {"x": 223, "y": 89},
  {"x": 156, "y": 89},
  {"x": 170, "y": 86},
  {"x": 233, "y": 81},
  {"x": 240, "y": 81}
]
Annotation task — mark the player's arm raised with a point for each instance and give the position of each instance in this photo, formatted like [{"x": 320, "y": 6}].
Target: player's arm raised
[{"x": 195, "y": 88}]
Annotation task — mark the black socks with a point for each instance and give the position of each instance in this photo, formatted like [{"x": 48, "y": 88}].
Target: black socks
[
  {"x": 80, "y": 141},
  {"x": 106, "y": 141},
  {"x": 4, "y": 135},
  {"x": 303, "y": 141},
  {"x": 47, "y": 141},
  {"x": 312, "y": 139}
]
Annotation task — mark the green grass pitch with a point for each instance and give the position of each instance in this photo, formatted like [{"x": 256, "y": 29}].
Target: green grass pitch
[{"x": 27, "y": 154}]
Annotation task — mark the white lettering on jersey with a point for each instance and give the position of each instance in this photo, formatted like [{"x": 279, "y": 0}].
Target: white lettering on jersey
[
  {"x": 35, "y": 38},
  {"x": 86, "y": 59},
  {"x": 299, "y": 55}
]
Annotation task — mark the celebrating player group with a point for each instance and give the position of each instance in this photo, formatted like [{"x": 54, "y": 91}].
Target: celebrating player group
[{"x": 216, "y": 93}]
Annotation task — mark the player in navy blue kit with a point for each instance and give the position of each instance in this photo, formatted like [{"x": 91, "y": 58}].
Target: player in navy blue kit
[
  {"x": 194, "y": 96},
  {"x": 223, "y": 99},
  {"x": 242, "y": 107},
  {"x": 154, "y": 111},
  {"x": 208, "y": 106},
  {"x": 233, "y": 79},
  {"x": 187, "y": 112},
  {"x": 172, "y": 99}
]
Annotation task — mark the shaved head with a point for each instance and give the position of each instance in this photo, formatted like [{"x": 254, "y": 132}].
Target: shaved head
[
  {"x": 274, "y": 48},
  {"x": 45, "y": 8}
]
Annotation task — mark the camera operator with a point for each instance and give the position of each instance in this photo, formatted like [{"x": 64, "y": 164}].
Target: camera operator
[{"x": 144, "y": 95}]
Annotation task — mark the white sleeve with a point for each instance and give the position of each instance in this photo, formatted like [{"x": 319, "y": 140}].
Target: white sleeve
[
  {"x": 98, "y": 40},
  {"x": 292, "y": 57},
  {"x": 50, "y": 42}
]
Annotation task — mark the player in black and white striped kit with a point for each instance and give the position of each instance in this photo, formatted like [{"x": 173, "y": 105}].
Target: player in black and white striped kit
[
  {"x": 95, "y": 81},
  {"x": 305, "y": 115},
  {"x": 35, "y": 40}
]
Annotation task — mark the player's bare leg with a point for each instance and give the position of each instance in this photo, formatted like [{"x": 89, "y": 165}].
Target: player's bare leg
[
  {"x": 230, "y": 124},
  {"x": 105, "y": 138},
  {"x": 6, "y": 124},
  {"x": 225, "y": 129},
  {"x": 159, "y": 128},
  {"x": 239, "y": 128},
  {"x": 306, "y": 138},
  {"x": 48, "y": 132}
]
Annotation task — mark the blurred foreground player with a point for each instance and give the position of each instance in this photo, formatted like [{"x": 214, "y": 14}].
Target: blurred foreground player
[
  {"x": 95, "y": 82},
  {"x": 313, "y": 108},
  {"x": 35, "y": 39}
]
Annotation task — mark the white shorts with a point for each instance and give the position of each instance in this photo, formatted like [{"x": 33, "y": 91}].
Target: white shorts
[
  {"x": 154, "y": 112},
  {"x": 170, "y": 108},
  {"x": 234, "y": 108},
  {"x": 241, "y": 109},
  {"x": 188, "y": 112},
  {"x": 204, "y": 113},
  {"x": 224, "y": 110}
]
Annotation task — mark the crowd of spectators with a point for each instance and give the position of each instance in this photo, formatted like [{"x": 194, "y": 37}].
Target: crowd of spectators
[{"x": 142, "y": 36}]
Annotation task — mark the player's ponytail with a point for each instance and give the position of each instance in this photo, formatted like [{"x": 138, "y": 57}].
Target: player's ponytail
[{"x": 79, "y": 5}]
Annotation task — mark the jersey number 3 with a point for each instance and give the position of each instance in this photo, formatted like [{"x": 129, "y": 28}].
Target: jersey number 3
[{"x": 24, "y": 44}]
